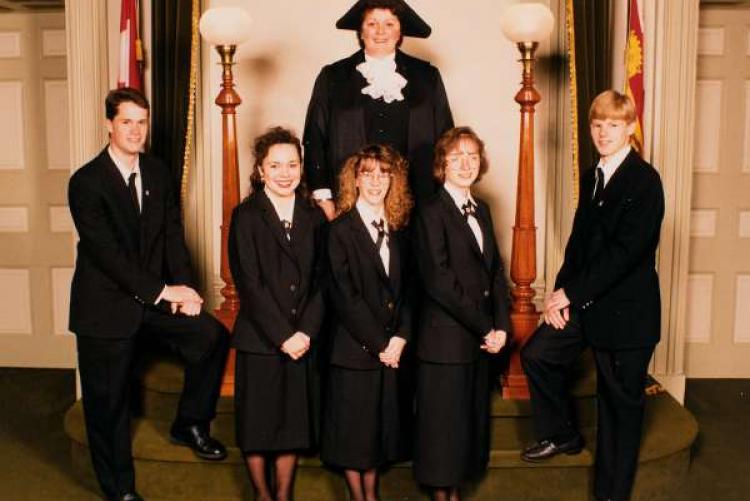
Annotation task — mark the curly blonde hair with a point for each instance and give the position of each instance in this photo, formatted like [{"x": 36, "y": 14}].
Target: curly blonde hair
[{"x": 398, "y": 200}]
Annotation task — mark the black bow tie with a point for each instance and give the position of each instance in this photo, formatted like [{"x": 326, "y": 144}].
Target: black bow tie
[{"x": 469, "y": 209}]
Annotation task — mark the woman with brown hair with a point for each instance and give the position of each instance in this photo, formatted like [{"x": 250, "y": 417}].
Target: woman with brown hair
[
  {"x": 369, "y": 262},
  {"x": 378, "y": 95},
  {"x": 463, "y": 318},
  {"x": 275, "y": 253}
]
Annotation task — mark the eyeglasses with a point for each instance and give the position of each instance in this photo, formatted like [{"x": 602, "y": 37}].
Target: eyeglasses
[
  {"x": 371, "y": 174},
  {"x": 455, "y": 160}
]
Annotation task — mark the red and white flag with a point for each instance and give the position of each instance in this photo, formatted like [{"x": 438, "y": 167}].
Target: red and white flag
[{"x": 130, "y": 47}]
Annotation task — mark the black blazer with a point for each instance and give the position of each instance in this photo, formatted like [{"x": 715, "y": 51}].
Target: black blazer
[
  {"x": 279, "y": 281},
  {"x": 371, "y": 306},
  {"x": 465, "y": 293},
  {"x": 124, "y": 260},
  {"x": 335, "y": 123},
  {"x": 609, "y": 268}
]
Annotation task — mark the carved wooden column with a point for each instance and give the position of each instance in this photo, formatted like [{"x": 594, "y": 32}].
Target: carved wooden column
[
  {"x": 524, "y": 317},
  {"x": 225, "y": 28},
  {"x": 525, "y": 24},
  {"x": 228, "y": 100}
]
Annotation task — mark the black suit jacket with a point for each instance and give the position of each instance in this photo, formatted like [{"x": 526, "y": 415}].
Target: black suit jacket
[
  {"x": 335, "y": 123},
  {"x": 609, "y": 268},
  {"x": 371, "y": 306},
  {"x": 465, "y": 292},
  {"x": 124, "y": 260},
  {"x": 279, "y": 281}
]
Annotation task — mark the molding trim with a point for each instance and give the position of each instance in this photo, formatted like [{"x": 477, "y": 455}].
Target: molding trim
[
  {"x": 86, "y": 32},
  {"x": 676, "y": 46}
]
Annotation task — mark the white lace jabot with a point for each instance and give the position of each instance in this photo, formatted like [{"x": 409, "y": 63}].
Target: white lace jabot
[{"x": 383, "y": 79}]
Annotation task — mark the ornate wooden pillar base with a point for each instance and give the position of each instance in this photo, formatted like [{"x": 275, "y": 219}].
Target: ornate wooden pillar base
[
  {"x": 227, "y": 316},
  {"x": 514, "y": 384}
]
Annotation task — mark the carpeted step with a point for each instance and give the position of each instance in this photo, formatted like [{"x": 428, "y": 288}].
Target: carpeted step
[{"x": 169, "y": 472}]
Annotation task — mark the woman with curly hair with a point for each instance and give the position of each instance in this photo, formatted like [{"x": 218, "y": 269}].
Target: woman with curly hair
[
  {"x": 463, "y": 318},
  {"x": 369, "y": 262},
  {"x": 275, "y": 253}
]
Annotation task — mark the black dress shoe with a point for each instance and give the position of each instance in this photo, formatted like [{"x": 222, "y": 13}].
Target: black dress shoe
[
  {"x": 130, "y": 496},
  {"x": 546, "y": 449},
  {"x": 200, "y": 441}
]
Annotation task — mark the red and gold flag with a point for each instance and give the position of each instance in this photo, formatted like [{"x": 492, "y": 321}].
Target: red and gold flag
[
  {"x": 131, "y": 57},
  {"x": 634, "y": 68}
]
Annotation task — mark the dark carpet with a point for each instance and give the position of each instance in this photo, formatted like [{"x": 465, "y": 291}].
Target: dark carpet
[{"x": 35, "y": 463}]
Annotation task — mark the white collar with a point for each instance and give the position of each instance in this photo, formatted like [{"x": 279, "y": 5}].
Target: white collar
[
  {"x": 125, "y": 170},
  {"x": 380, "y": 60},
  {"x": 370, "y": 214},
  {"x": 284, "y": 206},
  {"x": 382, "y": 78},
  {"x": 458, "y": 195},
  {"x": 610, "y": 166}
]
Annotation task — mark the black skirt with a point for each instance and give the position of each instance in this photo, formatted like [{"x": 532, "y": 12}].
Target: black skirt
[
  {"x": 362, "y": 420},
  {"x": 452, "y": 425},
  {"x": 274, "y": 403}
]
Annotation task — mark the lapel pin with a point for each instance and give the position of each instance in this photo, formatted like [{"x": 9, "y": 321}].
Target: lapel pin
[{"x": 146, "y": 193}]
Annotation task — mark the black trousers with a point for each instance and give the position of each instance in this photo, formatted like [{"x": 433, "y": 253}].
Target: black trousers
[
  {"x": 106, "y": 367},
  {"x": 547, "y": 360}
]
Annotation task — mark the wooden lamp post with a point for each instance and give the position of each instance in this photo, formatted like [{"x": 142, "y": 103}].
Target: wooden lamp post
[
  {"x": 225, "y": 28},
  {"x": 524, "y": 24}
]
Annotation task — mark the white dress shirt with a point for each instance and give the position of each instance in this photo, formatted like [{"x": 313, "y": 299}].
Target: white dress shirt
[
  {"x": 613, "y": 162},
  {"x": 368, "y": 215},
  {"x": 284, "y": 207},
  {"x": 126, "y": 171},
  {"x": 460, "y": 197}
]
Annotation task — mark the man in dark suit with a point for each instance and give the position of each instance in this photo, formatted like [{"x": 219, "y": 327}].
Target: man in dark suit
[
  {"x": 606, "y": 297},
  {"x": 132, "y": 283}
]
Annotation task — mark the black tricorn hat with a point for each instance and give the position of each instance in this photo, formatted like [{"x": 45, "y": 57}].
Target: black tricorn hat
[{"x": 411, "y": 24}]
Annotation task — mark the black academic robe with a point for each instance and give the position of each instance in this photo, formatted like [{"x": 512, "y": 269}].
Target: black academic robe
[{"x": 335, "y": 127}]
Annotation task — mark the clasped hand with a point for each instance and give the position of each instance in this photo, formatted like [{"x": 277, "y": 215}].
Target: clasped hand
[
  {"x": 183, "y": 299},
  {"x": 391, "y": 356},
  {"x": 296, "y": 345},
  {"x": 556, "y": 309},
  {"x": 494, "y": 341}
]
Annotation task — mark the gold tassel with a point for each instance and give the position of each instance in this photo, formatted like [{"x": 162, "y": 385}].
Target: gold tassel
[
  {"x": 194, "y": 45},
  {"x": 570, "y": 29}
]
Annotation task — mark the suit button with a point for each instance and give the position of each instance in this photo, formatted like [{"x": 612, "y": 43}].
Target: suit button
[
  {"x": 293, "y": 287},
  {"x": 364, "y": 347},
  {"x": 486, "y": 293},
  {"x": 390, "y": 305},
  {"x": 294, "y": 311}
]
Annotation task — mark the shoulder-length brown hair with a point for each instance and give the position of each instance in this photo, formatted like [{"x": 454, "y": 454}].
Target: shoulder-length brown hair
[
  {"x": 398, "y": 200},
  {"x": 450, "y": 140}
]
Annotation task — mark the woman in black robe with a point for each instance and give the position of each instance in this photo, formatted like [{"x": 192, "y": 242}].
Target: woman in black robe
[{"x": 378, "y": 95}]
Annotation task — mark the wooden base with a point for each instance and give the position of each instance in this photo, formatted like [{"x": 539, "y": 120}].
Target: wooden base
[
  {"x": 514, "y": 384},
  {"x": 226, "y": 314}
]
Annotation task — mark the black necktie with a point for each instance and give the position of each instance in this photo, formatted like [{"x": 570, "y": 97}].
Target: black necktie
[
  {"x": 134, "y": 192},
  {"x": 379, "y": 225},
  {"x": 599, "y": 186},
  {"x": 469, "y": 209},
  {"x": 287, "y": 228}
]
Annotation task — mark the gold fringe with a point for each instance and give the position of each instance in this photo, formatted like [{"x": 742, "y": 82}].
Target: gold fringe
[
  {"x": 194, "y": 46},
  {"x": 570, "y": 29}
]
